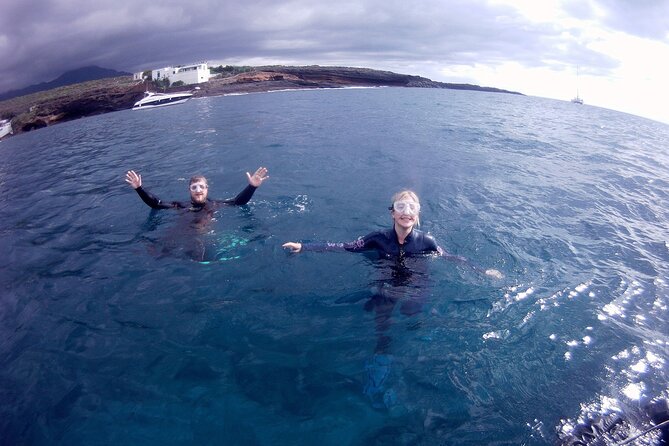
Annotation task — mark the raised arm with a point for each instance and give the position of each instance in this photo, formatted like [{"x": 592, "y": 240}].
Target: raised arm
[
  {"x": 258, "y": 177},
  {"x": 135, "y": 181},
  {"x": 255, "y": 181}
]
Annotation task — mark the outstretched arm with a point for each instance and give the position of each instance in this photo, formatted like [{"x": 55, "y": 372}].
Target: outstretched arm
[
  {"x": 492, "y": 273},
  {"x": 361, "y": 244},
  {"x": 135, "y": 181}
]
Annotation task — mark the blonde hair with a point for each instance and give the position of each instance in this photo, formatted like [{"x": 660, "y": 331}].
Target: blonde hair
[{"x": 406, "y": 193}]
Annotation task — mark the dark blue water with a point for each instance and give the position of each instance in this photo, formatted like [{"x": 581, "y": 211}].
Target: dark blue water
[{"x": 111, "y": 332}]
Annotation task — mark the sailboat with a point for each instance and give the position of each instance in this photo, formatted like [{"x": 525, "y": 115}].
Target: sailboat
[{"x": 577, "y": 99}]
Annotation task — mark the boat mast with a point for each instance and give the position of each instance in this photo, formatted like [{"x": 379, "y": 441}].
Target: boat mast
[{"x": 577, "y": 99}]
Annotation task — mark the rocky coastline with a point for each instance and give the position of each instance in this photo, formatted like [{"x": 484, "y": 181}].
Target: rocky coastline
[{"x": 91, "y": 98}]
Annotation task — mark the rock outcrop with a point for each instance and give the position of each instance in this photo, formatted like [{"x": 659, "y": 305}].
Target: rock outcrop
[{"x": 106, "y": 95}]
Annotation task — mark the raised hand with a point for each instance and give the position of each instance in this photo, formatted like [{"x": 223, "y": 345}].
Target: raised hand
[
  {"x": 258, "y": 177},
  {"x": 133, "y": 179}
]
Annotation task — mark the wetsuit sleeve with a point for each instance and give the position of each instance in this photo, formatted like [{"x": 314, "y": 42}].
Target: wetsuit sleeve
[
  {"x": 242, "y": 198},
  {"x": 430, "y": 245},
  {"x": 361, "y": 244},
  {"x": 151, "y": 200}
]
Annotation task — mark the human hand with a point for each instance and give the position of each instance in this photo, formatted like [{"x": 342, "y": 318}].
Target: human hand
[
  {"x": 258, "y": 177},
  {"x": 494, "y": 273},
  {"x": 294, "y": 247},
  {"x": 133, "y": 179}
]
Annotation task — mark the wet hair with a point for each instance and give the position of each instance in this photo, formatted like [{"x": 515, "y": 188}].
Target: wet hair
[
  {"x": 406, "y": 194},
  {"x": 196, "y": 178}
]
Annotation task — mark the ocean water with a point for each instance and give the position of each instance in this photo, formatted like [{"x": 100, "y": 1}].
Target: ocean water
[{"x": 114, "y": 331}]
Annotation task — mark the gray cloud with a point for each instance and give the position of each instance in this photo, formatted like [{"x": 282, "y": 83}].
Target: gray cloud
[
  {"x": 40, "y": 39},
  {"x": 641, "y": 18}
]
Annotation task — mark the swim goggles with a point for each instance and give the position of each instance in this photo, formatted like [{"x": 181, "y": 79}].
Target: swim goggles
[
  {"x": 406, "y": 207},
  {"x": 197, "y": 187}
]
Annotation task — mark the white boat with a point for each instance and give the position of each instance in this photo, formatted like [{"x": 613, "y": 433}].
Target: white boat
[
  {"x": 152, "y": 99},
  {"x": 5, "y": 127}
]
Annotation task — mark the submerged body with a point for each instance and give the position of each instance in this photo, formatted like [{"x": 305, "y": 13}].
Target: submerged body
[
  {"x": 201, "y": 208},
  {"x": 404, "y": 285},
  {"x": 401, "y": 278}
]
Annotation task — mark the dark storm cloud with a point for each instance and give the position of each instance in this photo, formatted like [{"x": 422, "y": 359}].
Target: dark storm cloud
[{"x": 41, "y": 39}]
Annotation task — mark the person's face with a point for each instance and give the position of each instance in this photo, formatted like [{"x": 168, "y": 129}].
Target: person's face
[
  {"x": 405, "y": 212},
  {"x": 199, "y": 191}
]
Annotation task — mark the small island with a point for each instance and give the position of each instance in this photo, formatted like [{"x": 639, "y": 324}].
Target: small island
[{"x": 90, "y": 98}]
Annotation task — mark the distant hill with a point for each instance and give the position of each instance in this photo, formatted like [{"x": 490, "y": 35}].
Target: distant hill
[
  {"x": 83, "y": 74},
  {"x": 94, "y": 97}
]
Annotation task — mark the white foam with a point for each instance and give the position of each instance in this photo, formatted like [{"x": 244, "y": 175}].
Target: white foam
[
  {"x": 501, "y": 334},
  {"x": 622, "y": 355},
  {"x": 610, "y": 404},
  {"x": 640, "y": 367},
  {"x": 654, "y": 360},
  {"x": 524, "y": 294},
  {"x": 633, "y": 391},
  {"x": 614, "y": 310},
  {"x": 582, "y": 287}
]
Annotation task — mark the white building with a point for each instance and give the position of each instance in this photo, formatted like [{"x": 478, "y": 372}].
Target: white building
[{"x": 188, "y": 74}]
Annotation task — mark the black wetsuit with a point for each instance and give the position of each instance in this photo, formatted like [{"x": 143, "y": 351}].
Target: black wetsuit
[
  {"x": 404, "y": 277},
  {"x": 156, "y": 203},
  {"x": 189, "y": 237},
  {"x": 404, "y": 280},
  {"x": 387, "y": 245}
]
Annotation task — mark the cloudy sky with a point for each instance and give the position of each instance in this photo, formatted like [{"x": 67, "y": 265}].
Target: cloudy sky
[{"x": 621, "y": 47}]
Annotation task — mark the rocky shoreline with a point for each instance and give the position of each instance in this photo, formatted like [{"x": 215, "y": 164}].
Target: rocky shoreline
[{"x": 112, "y": 94}]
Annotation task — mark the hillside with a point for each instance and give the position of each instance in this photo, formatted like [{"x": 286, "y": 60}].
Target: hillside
[
  {"x": 71, "y": 77},
  {"x": 106, "y": 95}
]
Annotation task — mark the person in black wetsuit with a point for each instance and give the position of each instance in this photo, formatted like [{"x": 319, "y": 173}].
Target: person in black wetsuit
[
  {"x": 398, "y": 244},
  {"x": 402, "y": 240},
  {"x": 200, "y": 207},
  {"x": 199, "y": 191}
]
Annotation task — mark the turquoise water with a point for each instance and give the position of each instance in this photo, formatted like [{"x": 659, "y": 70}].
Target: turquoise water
[{"x": 112, "y": 333}]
